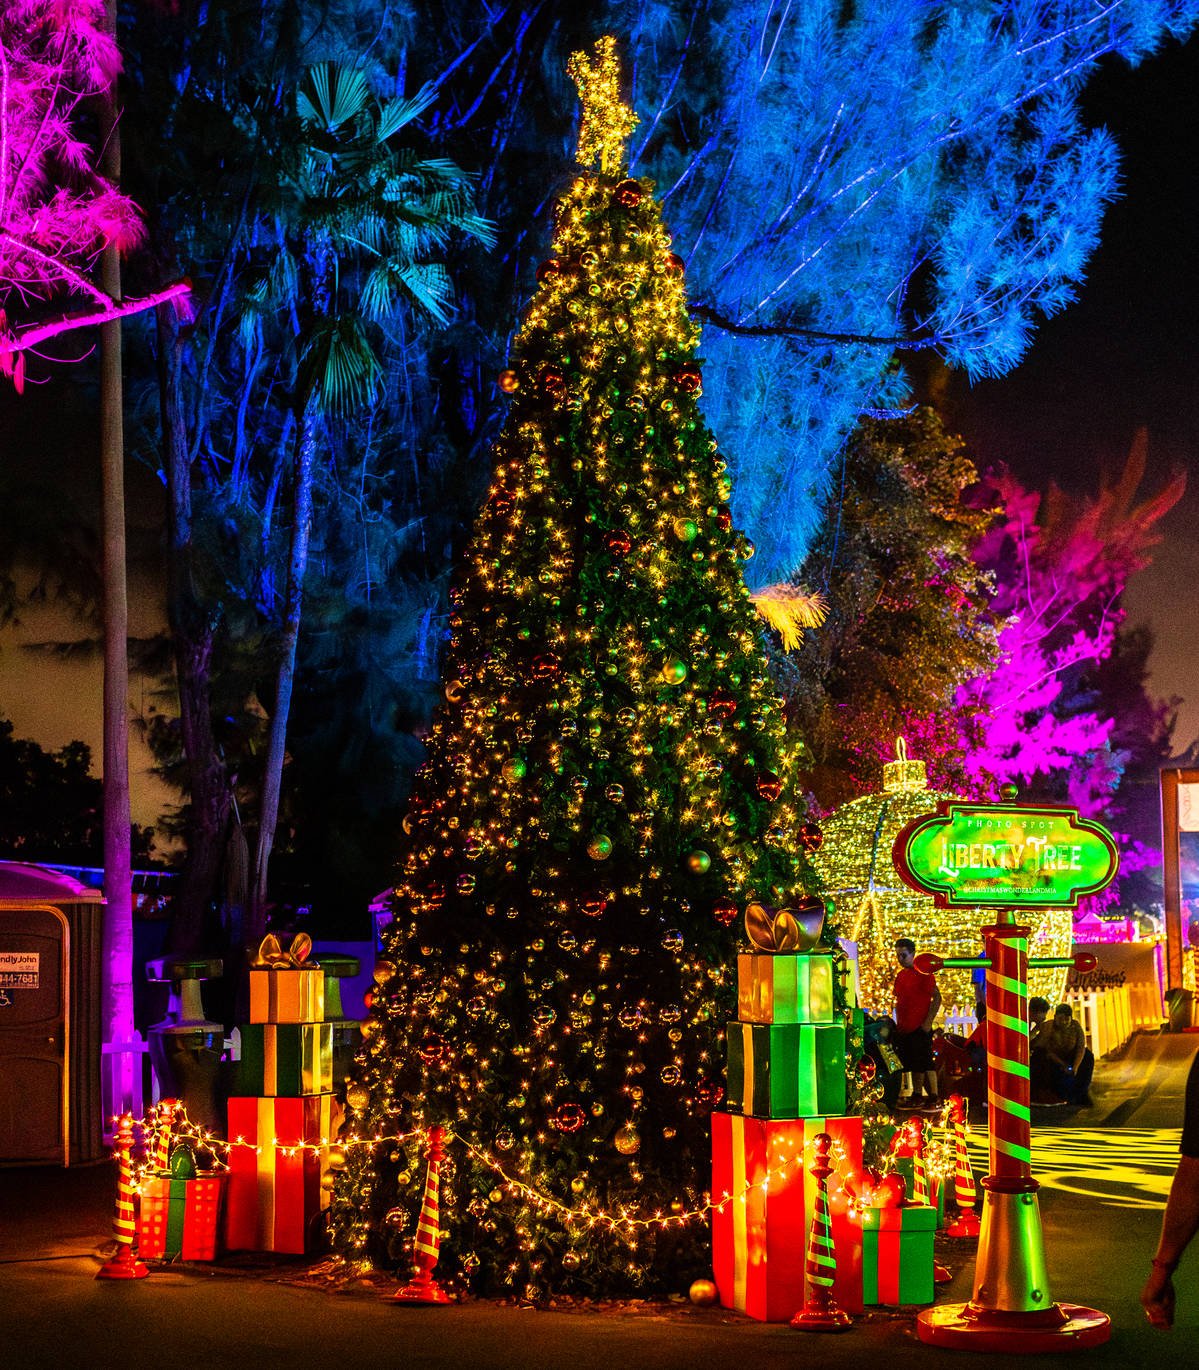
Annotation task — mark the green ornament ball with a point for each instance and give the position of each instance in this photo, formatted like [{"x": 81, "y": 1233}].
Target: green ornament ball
[
  {"x": 514, "y": 768},
  {"x": 686, "y": 530},
  {"x": 600, "y": 847},
  {"x": 674, "y": 672},
  {"x": 699, "y": 862}
]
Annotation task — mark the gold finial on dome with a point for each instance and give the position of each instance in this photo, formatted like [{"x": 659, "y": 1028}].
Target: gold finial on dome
[
  {"x": 606, "y": 121},
  {"x": 901, "y": 775}
]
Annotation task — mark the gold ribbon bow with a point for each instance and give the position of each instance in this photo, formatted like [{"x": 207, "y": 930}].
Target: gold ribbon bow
[
  {"x": 272, "y": 955},
  {"x": 775, "y": 930}
]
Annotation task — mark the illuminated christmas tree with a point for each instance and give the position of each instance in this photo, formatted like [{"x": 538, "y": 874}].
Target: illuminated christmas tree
[{"x": 608, "y": 784}]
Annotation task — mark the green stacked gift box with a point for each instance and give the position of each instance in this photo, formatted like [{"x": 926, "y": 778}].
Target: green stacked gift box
[
  {"x": 786, "y": 1070},
  {"x": 285, "y": 1060}
]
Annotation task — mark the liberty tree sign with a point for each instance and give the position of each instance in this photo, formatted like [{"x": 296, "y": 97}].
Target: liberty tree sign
[{"x": 1005, "y": 855}]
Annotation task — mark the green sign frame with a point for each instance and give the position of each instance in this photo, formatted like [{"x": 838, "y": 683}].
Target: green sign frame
[{"x": 1005, "y": 856}]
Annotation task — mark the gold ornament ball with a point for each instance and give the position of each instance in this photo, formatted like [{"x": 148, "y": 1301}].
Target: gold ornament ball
[
  {"x": 384, "y": 971},
  {"x": 600, "y": 847},
  {"x": 627, "y": 1140},
  {"x": 358, "y": 1097},
  {"x": 508, "y": 381},
  {"x": 703, "y": 1293},
  {"x": 336, "y": 1158},
  {"x": 578, "y": 1184}
]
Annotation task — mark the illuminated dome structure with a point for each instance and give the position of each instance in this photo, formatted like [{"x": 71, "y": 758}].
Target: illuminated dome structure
[{"x": 874, "y": 906}]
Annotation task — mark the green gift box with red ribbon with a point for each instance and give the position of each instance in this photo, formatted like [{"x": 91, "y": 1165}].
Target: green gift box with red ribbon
[{"x": 897, "y": 1254}]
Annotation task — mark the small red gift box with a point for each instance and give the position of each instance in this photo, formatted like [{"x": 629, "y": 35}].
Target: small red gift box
[{"x": 179, "y": 1217}]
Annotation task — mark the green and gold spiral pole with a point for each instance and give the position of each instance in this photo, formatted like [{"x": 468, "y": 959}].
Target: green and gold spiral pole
[
  {"x": 821, "y": 1313},
  {"x": 1011, "y": 1310}
]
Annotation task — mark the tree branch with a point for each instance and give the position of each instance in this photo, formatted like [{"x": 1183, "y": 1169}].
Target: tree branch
[
  {"x": 901, "y": 342},
  {"x": 22, "y": 341}
]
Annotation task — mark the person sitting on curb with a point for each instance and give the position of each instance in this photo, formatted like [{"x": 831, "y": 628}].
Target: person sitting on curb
[
  {"x": 1071, "y": 1060},
  {"x": 1181, "y": 1219}
]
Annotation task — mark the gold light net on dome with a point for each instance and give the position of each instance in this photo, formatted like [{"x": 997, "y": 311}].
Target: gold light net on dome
[{"x": 874, "y": 906}]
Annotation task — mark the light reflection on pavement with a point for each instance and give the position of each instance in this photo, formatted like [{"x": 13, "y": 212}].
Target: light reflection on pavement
[{"x": 1122, "y": 1167}]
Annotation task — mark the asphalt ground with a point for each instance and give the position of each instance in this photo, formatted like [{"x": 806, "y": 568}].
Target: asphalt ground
[{"x": 1104, "y": 1176}]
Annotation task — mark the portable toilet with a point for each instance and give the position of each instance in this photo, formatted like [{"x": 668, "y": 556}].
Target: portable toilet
[{"x": 50, "y": 987}]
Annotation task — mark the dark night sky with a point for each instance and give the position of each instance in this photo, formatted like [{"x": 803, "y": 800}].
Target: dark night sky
[{"x": 1125, "y": 354}]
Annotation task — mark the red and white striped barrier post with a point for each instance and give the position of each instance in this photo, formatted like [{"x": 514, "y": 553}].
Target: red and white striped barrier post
[
  {"x": 821, "y": 1313},
  {"x": 965, "y": 1193},
  {"x": 164, "y": 1122},
  {"x": 422, "y": 1287},
  {"x": 1011, "y": 1311},
  {"x": 123, "y": 1264}
]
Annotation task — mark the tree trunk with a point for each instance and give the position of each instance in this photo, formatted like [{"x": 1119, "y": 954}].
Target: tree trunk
[
  {"x": 272, "y": 780},
  {"x": 117, "y": 942},
  {"x": 193, "y": 631}
]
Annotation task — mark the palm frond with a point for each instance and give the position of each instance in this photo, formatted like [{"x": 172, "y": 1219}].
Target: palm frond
[
  {"x": 789, "y": 609},
  {"x": 396, "y": 113},
  {"x": 330, "y": 95}
]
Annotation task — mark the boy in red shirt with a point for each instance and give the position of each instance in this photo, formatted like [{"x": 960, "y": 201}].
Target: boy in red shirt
[{"x": 917, "y": 1001}]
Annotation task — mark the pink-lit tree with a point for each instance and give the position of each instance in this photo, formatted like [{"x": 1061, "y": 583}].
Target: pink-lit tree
[
  {"x": 57, "y": 213},
  {"x": 1047, "y": 715}
]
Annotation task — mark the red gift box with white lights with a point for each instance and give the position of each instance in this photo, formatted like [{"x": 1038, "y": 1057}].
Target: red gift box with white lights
[
  {"x": 179, "y": 1217},
  {"x": 275, "y": 1193},
  {"x": 760, "y": 1231}
]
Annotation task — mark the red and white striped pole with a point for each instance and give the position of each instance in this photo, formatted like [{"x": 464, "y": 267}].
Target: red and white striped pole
[
  {"x": 422, "y": 1287},
  {"x": 965, "y": 1193},
  {"x": 123, "y": 1264},
  {"x": 1011, "y": 1311}
]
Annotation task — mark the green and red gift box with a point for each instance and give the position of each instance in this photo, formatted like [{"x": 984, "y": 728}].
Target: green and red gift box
[
  {"x": 785, "y": 987},
  {"x": 179, "y": 1215},
  {"x": 277, "y": 1154},
  {"x": 760, "y": 1231},
  {"x": 786, "y": 1070},
  {"x": 897, "y": 1254},
  {"x": 287, "y": 1059}
]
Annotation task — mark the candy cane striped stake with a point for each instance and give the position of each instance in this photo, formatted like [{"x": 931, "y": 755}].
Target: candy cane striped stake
[
  {"x": 422, "y": 1287},
  {"x": 164, "y": 1125},
  {"x": 821, "y": 1312},
  {"x": 965, "y": 1193},
  {"x": 123, "y": 1265}
]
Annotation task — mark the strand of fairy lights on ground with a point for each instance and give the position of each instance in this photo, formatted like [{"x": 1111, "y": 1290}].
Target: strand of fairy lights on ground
[{"x": 183, "y": 1129}]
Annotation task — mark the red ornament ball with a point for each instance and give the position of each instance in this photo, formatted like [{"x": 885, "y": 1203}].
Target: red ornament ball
[
  {"x": 724, "y": 518},
  {"x": 619, "y": 543},
  {"x": 890, "y": 1191},
  {"x": 553, "y": 379},
  {"x": 708, "y": 1093},
  {"x": 724, "y": 911},
  {"x": 867, "y": 1069},
  {"x": 811, "y": 838},
  {"x": 434, "y": 1050},
  {"x": 545, "y": 666},
  {"x": 768, "y": 785},
  {"x": 593, "y": 904},
  {"x": 673, "y": 264},
  {"x": 703, "y": 1293},
  {"x": 721, "y": 706},
  {"x": 508, "y": 381},
  {"x": 568, "y": 1118},
  {"x": 628, "y": 194},
  {"x": 502, "y": 502},
  {"x": 689, "y": 379},
  {"x": 549, "y": 269}
]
